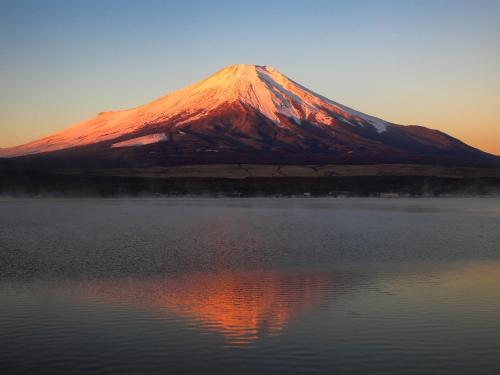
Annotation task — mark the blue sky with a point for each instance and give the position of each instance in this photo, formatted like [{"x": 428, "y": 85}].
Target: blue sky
[{"x": 435, "y": 63}]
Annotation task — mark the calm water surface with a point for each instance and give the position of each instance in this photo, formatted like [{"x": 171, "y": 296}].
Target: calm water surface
[{"x": 250, "y": 286}]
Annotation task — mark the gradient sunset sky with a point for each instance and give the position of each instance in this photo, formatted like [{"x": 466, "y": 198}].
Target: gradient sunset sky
[{"x": 434, "y": 63}]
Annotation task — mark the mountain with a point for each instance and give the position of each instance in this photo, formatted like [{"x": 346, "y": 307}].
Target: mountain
[{"x": 245, "y": 114}]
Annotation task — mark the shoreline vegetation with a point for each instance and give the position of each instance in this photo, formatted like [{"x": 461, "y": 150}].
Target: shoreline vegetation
[{"x": 251, "y": 180}]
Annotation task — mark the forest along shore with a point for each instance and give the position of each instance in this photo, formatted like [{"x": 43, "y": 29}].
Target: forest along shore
[{"x": 254, "y": 180}]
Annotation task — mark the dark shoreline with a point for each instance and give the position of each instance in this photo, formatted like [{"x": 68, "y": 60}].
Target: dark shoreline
[
  {"x": 251, "y": 180},
  {"x": 51, "y": 184}
]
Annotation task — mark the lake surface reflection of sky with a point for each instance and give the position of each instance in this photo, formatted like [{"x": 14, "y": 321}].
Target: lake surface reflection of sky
[{"x": 245, "y": 287}]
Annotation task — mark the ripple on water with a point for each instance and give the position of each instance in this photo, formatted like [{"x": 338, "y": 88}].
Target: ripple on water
[{"x": 250, "y": 286}]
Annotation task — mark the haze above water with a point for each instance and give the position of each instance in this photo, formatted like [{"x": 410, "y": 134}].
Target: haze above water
[{"x": 250, "y": 286}]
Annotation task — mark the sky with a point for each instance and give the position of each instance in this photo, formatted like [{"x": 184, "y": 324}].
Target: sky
[{"x": 434, "y": 63}]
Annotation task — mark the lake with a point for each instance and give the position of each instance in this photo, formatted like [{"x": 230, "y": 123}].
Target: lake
[{"x": 250, "y": 286}]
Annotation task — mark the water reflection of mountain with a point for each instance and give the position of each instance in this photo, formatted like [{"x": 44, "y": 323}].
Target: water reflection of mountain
[{"x": 242, "y": 306}]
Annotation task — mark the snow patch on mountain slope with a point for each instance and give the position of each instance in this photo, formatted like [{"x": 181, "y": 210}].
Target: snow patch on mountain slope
[
  {"x": 141, "y": 141},
  {"x": 379, "y": 124},
  {"x": 322, "y": 101}
]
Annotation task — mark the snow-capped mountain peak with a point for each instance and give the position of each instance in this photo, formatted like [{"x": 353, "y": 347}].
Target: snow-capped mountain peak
[
  {"x": 247, "y": 113},
  {"x": 262, "y": 88},
  {"x": 272, "y": 94}
]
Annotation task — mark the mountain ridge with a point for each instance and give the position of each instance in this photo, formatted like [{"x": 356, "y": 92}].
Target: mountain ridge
[{"x": 244, "y": 113}]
